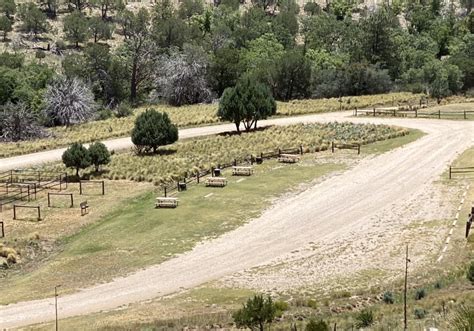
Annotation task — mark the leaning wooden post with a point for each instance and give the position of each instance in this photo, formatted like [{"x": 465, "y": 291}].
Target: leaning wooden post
[{"x": 72, "y": 200}]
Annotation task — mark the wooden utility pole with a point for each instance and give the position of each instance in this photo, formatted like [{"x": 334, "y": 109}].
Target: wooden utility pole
[
  {"x": 405, "y": 325},
  {"x": 56, "y": 304}
]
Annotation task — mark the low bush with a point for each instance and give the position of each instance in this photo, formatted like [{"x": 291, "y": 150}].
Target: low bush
[
  {"x": 420, "y": 313},
  {"x": 364, "y": 319},
  {"x": 420, "y": 294},
  {"x": 388, "y": 297},
  {"x": 314, "y": 325},
  {"x": 311, "y": 303}
]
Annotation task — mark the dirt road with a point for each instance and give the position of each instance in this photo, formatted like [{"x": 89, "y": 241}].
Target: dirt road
[{"x": 322, "y": 213}]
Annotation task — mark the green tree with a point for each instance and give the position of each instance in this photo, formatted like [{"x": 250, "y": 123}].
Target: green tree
[
  {"x": 247, "y": 102},
  {"x": 256, "y": 313},
  {"x": 33, "y": 19},
  {"x": 77, "y": 157},
  {"x": 100, "y": 29},
  {"x": 5, "y": 26},
  {"x": 8, "y": 7},
  {"x": 106, "y": 6},
  {"x": 76, "y": 27},
  {"x": 293, "y": 78},
  {"x": 99, "y": 155},
  {"x": 312, "y": 8},
  {"x": 314, "y": 325},
  {"x": 225, "y": 69},
  {"x": 153, "y": 129}
]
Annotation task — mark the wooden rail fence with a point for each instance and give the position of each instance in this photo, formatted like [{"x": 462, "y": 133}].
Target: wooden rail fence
[{"x": 460, "y": 170}]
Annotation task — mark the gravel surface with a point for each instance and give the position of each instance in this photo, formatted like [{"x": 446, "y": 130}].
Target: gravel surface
[{"x": 340, "y": 206}]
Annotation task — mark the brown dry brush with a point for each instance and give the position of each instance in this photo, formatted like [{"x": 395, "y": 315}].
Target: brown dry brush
[{"x": 18, "y": 122}]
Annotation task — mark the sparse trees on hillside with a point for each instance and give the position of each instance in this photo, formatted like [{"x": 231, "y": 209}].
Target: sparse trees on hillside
[
  {"x": 33, "y": 19},
  {"x": 68, "y": 101},
  {"x": 5, "y": 26},
  {"x": 8, "y": 8},
  {"x": 76, "y": 28},
  {"x": 100, "y": 29}
]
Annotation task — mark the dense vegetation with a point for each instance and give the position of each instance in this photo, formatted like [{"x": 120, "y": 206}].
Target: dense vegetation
[{"x": 102, "y": 54}]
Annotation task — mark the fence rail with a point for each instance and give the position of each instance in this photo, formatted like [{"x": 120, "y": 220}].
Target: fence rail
[
  {"x": 412, "y": 111},
  {"x": 460, "y": 170},
  {"x": 174, "y": 187}
]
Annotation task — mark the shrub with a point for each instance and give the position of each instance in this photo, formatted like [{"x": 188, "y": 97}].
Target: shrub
[
  {"x": 99, "y": 155},
  {"x": 470, "y": 272},
  {"x": 254, "y": 314},
  {"x": 388, "y": 297},
  {"x": 311, "y": 303},
  {"x": 317, "y": 326},
  {"x": 364, "y": 319},
  {"x": 420, "y": 313},
  {"x": 153, "y": 129},
  {"x": 281, "y": 305},
  {"x": 420, "y": 294},
  {"x": 438, "y": 285},
  {"x": 123, "y": 110},
  {"x": 77, "y": 157}
]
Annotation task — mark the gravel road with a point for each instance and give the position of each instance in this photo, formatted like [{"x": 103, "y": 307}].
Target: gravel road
[{"x": 325, "y": 211}]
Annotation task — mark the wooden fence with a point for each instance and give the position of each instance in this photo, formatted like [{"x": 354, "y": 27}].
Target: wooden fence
[
  {"x": 176, "y": 186},
  {"x": 413, "y": 112},
  {"x": 460, "y": 170}
]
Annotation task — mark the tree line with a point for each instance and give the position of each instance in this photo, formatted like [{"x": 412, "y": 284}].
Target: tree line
[{"x": 193, "y": 52}]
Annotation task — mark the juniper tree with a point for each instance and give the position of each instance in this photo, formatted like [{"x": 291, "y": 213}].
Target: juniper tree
[
  {"x": 77, "y": 157},
  {"x": 99, "y": 155}
]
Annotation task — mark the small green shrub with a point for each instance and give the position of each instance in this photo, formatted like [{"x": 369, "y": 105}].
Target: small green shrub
[
  {"x": 317, "y": 325},
  {"x": 388, "y": 297},
  {"x": 123, "y": 110},
  {"x": 364, "y": 319},
  {"x": 420, "y": 294},
  {"x": 420, "y": 313},
  {"x": 470, "y": 272},
  {"x": 281, "y": 305},
  {"x": 311, "y": 303},
  {"x": 438, "y": 285}
]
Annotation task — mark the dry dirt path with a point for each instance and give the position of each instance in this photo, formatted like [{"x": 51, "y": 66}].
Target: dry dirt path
[{"x": 327, "y": 210}]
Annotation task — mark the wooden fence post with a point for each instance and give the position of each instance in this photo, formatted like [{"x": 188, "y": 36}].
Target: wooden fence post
[
  {"x": 3, "y": 230},
  {"x": 332, "y": 146},
  {"x": 449, "y": 172},
  {"x": 165, "y": 191},
  {"x": 49, "y": 200},
  {"x": 374, "y": 111},
  {"x": 439, "y": 114},
  {"x": 39, "y": 213},
  {"x": 197, "y": 177},
  {"x": 301, "y": 149},
  {"x": 80, "y": 187},
  {"x": 103, "y": 188},
  {"x": 358, "y": 149},
  {"x": 14, "y": 212},
  {"x": 416, "y": 112},
  {"x": 465, "y": 117}
]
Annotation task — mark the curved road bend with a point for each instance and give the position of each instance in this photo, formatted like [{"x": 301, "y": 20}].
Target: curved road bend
[{"x": 325, "y": 211}]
